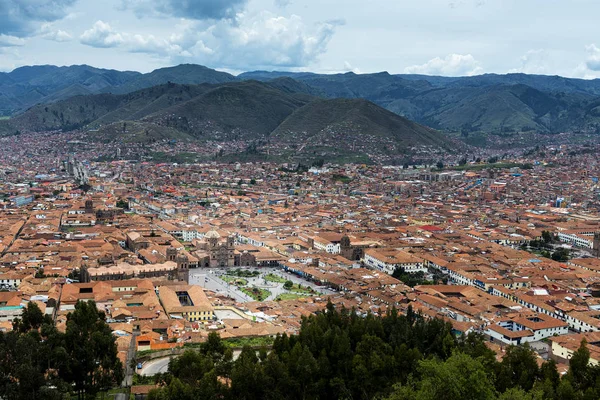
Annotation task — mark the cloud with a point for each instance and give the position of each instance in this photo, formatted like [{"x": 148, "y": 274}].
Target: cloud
[
  {"x": 262, "y": 40},
  {"x": 283, "y": 3},
  {"x": 593, "y": 59},
  {"x": 188, "y": 9},
  {"x": 9, "y": 56},
  {"x": 21, "y": 18},
  {"x": 50, "y": 33},
  {"x": 10, "y": 41},
  {"x": 350, "y": 68},
  {"x": 101, "y": 35},
  {"x": 451, "y": 65},
  {"x": 533, "y": 62}
]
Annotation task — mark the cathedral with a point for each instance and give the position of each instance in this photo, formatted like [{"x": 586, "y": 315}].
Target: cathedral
[{"x": 221, "y": 252}]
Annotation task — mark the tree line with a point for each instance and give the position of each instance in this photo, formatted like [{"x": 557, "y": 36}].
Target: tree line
[
  {"x": 339, "y": 354},
  {"x": 39, "y": 362}
]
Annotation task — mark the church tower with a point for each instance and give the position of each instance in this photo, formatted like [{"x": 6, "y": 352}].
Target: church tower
[
  {"x": 183, "y": 268},
  {"x": 171, "y": 253}
]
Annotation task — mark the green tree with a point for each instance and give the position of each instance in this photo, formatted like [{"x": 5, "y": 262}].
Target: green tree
[
  {"x": 92, "y": 351},
  {"x": 288, "y": 285},
  {"x": 458, "y": 378},
  {"x": 518, "y": 368},
  {"x": 579, "y": 374},
  {"x": 547, "y": 237}
]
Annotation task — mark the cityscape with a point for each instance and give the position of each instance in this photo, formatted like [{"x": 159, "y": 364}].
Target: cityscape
[{"x": 268, "y": 200}]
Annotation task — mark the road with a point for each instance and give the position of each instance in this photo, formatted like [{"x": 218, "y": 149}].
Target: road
[{"x": 161, "y": 365}]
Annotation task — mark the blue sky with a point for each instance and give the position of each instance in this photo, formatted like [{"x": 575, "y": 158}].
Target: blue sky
[{"x": 441, "y": 37}]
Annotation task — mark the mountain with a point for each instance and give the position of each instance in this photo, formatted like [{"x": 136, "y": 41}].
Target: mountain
[
  {"x": 190, "y": 74},
  {"x": 335, "y": 127},
  {"x": 100, "y": 109},
  {"x": 242, "y": 110},
  {"x": 27, "y": 86},
  {"x": 489, "y": 104},
  {"x": 278, "y": 116},
  {"x": 497, "y": 104},
  {"x": 229, "y": 111}
]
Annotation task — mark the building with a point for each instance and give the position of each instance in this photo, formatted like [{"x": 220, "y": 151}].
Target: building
[
  {"x": 221, "y": 252},
  {"x": 390, "y": 260},
  {"x": 524, "y": 329},
  {"x": 187, "y": 302}
]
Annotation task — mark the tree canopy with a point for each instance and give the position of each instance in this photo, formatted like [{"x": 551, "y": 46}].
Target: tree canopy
[{"x": 39, "y": 362}]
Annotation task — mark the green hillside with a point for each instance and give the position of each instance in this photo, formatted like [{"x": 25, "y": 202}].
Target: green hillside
[
  {"x": 338, "y": 127},
  {"x": 244, "y": 110}
]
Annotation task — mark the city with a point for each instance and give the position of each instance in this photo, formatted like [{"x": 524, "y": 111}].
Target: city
[{"x": 288, "y": 200}]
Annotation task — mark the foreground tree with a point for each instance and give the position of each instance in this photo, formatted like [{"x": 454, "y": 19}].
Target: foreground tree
[{"x": 92, "y": 352}]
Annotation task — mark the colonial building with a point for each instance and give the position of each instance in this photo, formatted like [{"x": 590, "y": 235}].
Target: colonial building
[{"x": 220, "y": 252}]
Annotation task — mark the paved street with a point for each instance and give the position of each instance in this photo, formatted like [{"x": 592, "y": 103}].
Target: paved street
[
  {"x": 153, "y": 367},
  {"x": 161, "y": 365}
]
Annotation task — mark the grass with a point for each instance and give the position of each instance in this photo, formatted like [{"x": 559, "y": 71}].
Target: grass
[
  {"x": 256, "y": 341},
  {"x": 302, "y": 289},
  {"x": 275, "y": 278},
  {"x": 236, "y": 343},
  {"x": 290, "y": 296},
  {"x": 256, "y": 293},
  {"x": 234, "y": 279}
]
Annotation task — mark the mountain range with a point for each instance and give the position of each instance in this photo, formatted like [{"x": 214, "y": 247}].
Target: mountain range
[
  {"x": 279, "y": 115},
  {"x": 491, "y": 103}
]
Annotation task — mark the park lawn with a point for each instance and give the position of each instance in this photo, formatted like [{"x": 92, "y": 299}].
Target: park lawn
[
  {"x": 275, "y": 278},
  {"x": 243, "y": 273},
  {"x": 290, "y": 296},
  {"x": 256, "y": 341},
  {"x": 302, "y": 289},
  {"x": 256, "y": 293},
  {"x": 234, "y": 279}
]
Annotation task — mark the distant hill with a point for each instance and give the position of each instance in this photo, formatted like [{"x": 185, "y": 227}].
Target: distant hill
[
  {"x": 353, "y": 126},
  {"x": 279, "y": 116},
  {"x": 490, "y": 103},
  {"x": 242, "y": 110},
  {"x": 190, "y": 74},
  {"x": 94, "y": 111},
  {"x": 27, "y": 86}
]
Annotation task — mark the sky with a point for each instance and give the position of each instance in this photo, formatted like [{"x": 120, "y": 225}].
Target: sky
[{"x": 435, "y": 37}]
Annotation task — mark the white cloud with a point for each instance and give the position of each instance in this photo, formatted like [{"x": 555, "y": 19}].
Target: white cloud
[
  {"x": 262, "y": 40},
  {"x": 533, "y": 62},
  {"x": 593, "y": 59},
  {"x": 350, "y": 68},
  {"x": 451, "y": 65},
  {"x": 101, "y": 35},
  {"x": 10, "y": 41},
  {"x": 49, "y": 32}
]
